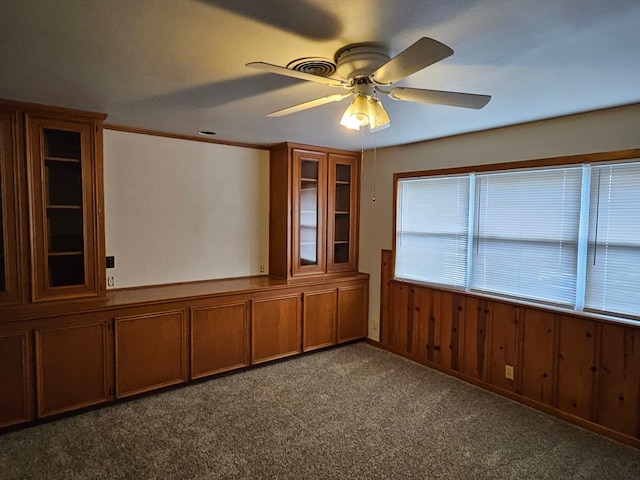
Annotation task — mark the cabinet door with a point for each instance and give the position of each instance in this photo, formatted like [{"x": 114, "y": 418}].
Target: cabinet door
[
  {"x": 342, "y": 216},
  {"x": 9, "y": 265},
  {"x": 219, "y": 338},
  {"x": 309, "y": 200},
  {"x": 275, "y": 328},
  {"x": 319, "y": 319},
  {"x": 151, "y": 352},
  {"x": 73, "y": 367},
  {"x": 352, "y": 313},
  {"x": 15, "y": 379},
  {"x": 63, "y": 208}
]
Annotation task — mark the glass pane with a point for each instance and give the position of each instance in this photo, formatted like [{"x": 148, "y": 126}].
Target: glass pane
[
  {"x": 65, "y": 230},
  {"x": 309, "y": 213},
  {"x": 62, "y": 144},
  {"x": 65, "y": 221},
  {"x": 64, "y": 183},
  {"x": 343, "y": 173},
  {"x": 66, "y": 270},
  {"x": 3, "y": 281}
]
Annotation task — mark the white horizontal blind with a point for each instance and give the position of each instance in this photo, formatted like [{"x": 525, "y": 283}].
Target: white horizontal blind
[
  {"x": 526, "y": 234},
  {"x": 432, "y": 230},
  {"x": 613, "y": 256}
]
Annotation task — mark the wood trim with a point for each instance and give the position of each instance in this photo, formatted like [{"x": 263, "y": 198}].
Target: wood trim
[
  {"x": 535, "y": 163},
  {"x": 50, "y": 111},
  {"x": 178, "y": 136}
]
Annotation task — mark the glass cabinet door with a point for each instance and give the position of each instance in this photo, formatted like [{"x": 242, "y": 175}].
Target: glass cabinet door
[
  {"x": 342, "y": 217},
  {"x": 309, "y": 177},
  {"x": 63, "y": 207}
]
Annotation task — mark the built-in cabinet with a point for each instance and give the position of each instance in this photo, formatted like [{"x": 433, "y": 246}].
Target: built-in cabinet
[
  {"x": 73, "y": 365},
  {"x": 313, "y": 211},
  {"x": 11, "y": 291},
  {"x": 16, "y": 394},
  {"x": 219, "y": 338},
  {"x": 51, "y": 224},
  {"x": 151, "y": 351},
  {"x": 68, "y": 344}
]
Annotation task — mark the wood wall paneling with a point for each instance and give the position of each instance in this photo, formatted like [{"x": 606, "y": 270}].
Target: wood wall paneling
[
  {"x": 219, "y": 338},
  {"x": 72, "y": 367},
  {"x": 577, "y": 366},
  {"x": 387, "y": 274},
  {"x": 16, "y": 391},
  {"x": 619, "y": 379},
  {"x": 423, "y": 324},
  {"x": 275, "y": 328},
  {"x": 352, "y": 313},
  {"x": 474, "y": 332},
  {"x": 538, "y": 365},
  {"x": 503, "y": 344},
  {"x": 398, "y": 317},
  {"x": 151, "y": 351},
  {"x": 319, "y": 317}
]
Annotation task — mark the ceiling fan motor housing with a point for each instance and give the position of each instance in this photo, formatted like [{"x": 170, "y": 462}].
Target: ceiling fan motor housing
[{"x": 357, "y": 61}]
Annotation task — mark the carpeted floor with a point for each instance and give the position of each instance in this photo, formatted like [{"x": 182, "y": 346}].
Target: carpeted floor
[{"x": 354, "y": 412}]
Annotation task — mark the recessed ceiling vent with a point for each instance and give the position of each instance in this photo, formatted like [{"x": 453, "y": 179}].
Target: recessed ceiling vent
[{"x": 323, "y": 67}]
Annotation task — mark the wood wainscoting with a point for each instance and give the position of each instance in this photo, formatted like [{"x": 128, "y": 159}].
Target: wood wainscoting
[{"x": 579, "y": 368}]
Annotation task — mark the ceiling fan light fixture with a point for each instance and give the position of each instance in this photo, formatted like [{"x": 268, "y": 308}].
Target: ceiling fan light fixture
[{"x": 365, "y": 110}]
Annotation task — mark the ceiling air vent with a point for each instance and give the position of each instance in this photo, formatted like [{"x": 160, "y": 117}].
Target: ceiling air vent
[{"x": 323, "y": 67}]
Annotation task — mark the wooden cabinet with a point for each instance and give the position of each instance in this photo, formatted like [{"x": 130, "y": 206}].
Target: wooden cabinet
[
  {"x": 151, "y": 351},
  {"x": 10, "y": 272},
  {"x": 219, "y": 338},
  {"x": 342, "y": 214},
  {"x": 319, "y": 317},
  {"x": 275, "y": 328},
  {"x": 352, "y": 313},
  {"x": 16, "y": 391},
  {"x": 51, "y": 224},
  {"x": 67, "y": 253},
  {"x": 73, "y": 367},
  {"x": 314, "y": 206}
]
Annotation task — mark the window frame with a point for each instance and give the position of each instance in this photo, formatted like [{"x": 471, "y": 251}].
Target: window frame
[{"x": 590, "y": 159}]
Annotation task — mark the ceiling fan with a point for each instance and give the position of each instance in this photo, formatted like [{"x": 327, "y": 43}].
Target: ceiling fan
[{"x": 365, "y": 70}]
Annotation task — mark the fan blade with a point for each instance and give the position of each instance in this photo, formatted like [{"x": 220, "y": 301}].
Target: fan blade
[
  {"x": 310, "y": 104},
  {"x": 287, "y": 72},
  {"x": 421, "y": 54},
  {"x": 440, "y": 97}
]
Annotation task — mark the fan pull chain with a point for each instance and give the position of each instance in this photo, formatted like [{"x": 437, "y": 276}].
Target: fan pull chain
[{"x": 373, "y": 199}]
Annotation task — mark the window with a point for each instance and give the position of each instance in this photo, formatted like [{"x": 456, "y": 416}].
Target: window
[
  {"x": 568, "y": 236},
  {"x": 526, "y": 234},
  {"x": 432, "y": 230},
  {"x": 613, "y": 257}
]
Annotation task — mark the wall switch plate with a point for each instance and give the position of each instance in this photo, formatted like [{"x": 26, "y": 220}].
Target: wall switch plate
[{"x": 111, "y": 261}]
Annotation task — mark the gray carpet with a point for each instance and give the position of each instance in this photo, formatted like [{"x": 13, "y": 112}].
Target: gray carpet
[{"x": 353, "y": 412}]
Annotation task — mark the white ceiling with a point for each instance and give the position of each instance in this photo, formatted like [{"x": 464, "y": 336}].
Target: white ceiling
[{"x": 178, "y": 66}]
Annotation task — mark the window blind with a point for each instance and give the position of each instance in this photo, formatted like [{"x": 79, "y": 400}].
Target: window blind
[
  {"x": 526, "y": 234},
  {"x": 613, "y": 255},
  {"x": 432, "y": 230}
]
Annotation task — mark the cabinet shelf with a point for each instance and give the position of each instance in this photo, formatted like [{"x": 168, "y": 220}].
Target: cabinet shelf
[
  {"x": 61, "y": 160},
  {"x": 65, "y": 254},
  {"x": 64, "y": 207}
]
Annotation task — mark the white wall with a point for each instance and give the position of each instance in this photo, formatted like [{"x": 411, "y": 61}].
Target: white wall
[
  {"x": 607, "y": 130},
  {"x": 179, "y": 210}
]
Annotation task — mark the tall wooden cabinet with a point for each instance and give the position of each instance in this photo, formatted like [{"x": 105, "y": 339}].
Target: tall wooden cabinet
[
  {"x": 313, "y": 211},
  {"x": 51, "y": 224},
  {"x": 10, "y": 273}
]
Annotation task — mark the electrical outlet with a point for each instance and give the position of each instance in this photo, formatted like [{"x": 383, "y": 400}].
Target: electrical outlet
[
  {"x": 262, "y": 268},
  {"x": 508, "y": 372}
]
